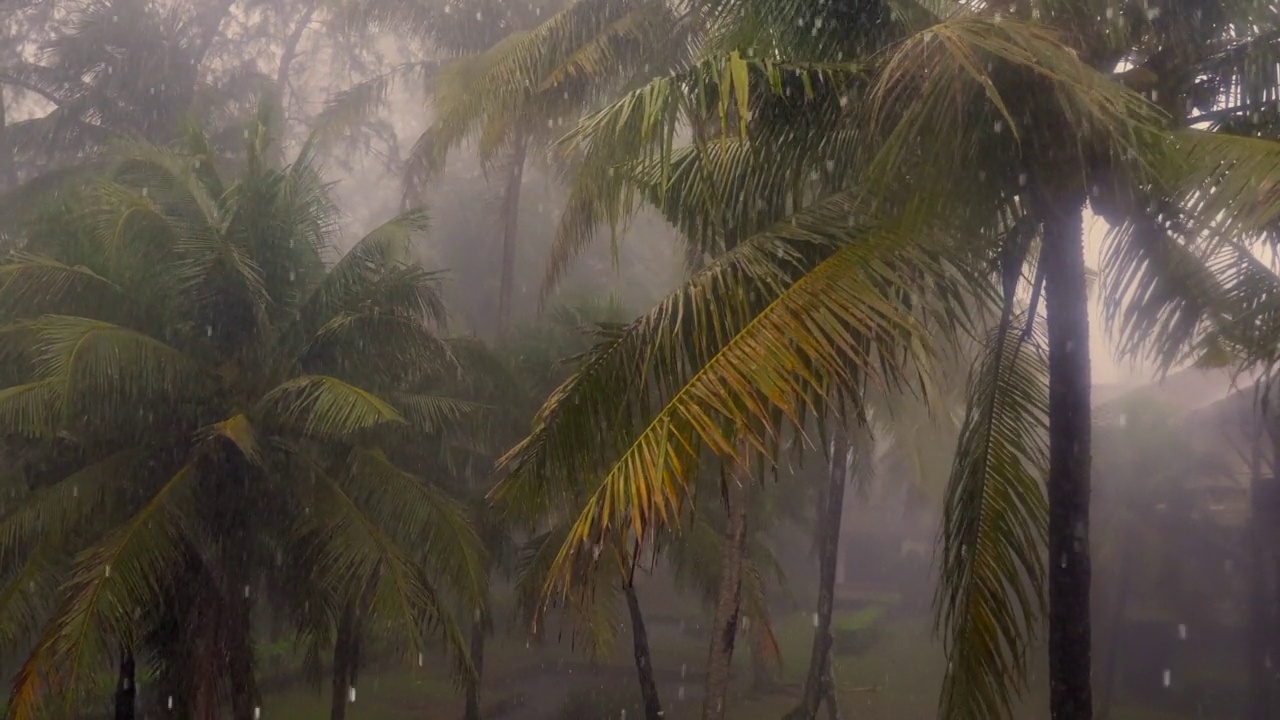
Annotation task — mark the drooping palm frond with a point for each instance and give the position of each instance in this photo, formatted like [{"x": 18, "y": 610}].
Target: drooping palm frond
[
  {"x": 995, "y": 520},
  {"x": 691, "y": 374},
  {"x": 326, "y": 407},
  {"x": 108, "y": 583},
  {"x": 351, "y": 544},
  {"x": 639, "y": 130}
]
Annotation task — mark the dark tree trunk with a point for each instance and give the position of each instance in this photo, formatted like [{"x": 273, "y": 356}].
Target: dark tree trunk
[
  {"x": 643, "y": 657},
  {"x": 126, "y": 688},
  {"x": 816, "y": 685},
  {"x": 510, "y": 228},
  {"x": 478, "y": 630},
  {"x": 289, "y": 54},
  {"x": 1070, "y": 691},
  {"x": 724, "y": 623},
  {"x": 343, "y": 660}
]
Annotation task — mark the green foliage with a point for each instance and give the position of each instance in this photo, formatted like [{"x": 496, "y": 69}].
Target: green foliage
[{"x": 233, "y": 397}]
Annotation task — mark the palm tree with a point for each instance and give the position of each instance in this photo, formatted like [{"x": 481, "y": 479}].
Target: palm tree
[
  {"x": 823, "y": 154},
  {"x": 231, "y": 396}
]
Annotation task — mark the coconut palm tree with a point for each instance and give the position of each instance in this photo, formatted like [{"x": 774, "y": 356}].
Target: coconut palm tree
[
  {"x": 816, "y": 149},
  {"x": 232, "y": 392}
]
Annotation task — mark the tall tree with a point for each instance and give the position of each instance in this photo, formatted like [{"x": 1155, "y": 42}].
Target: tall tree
[
  {"x": 227, "y": 396},
  {"x": 846, "y": 140}
]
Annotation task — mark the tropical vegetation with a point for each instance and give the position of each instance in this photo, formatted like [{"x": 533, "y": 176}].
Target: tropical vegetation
[{"x": 235, "y": 419}]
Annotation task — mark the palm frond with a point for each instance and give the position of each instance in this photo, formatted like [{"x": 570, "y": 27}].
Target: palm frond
[
  {"x": 325, "y": 407},
  {"x": 348, "y": 543},
  {"x": 108, "y": 583},
  {"x": 645, "y": 403},
  {"x": 991, "y": 593}
]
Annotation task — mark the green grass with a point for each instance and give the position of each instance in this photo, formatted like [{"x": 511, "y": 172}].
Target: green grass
[{"x": 897, "y": 678}]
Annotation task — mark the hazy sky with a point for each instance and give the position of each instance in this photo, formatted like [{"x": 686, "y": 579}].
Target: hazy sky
[{"x": 1105, "y": 367}]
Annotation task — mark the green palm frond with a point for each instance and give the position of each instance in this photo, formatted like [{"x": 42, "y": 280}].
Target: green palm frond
[
  {"x": 326, "y": 407},
  {"x": 34, "y": 409},
  {"x": 32, "y": 284},
  {"x": 991, "y": 593},
  {"x": 352, "y": 549},
  {"x": 424, "y": 517},
  {"x": 385, "y": 248},
  {"x": 102, "y": 365},
  {"x": 108, "y": 584},
  {"x": 52, "y": 516},
  {"x": 650, "y": 399},
  {"x": 432, "y": 414},
  {"x": 28, "y": 596}
]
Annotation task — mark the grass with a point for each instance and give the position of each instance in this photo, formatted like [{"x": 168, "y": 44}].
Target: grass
[{"x": 897, "y": 678}]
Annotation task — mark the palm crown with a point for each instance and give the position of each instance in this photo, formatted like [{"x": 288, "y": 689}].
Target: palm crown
[{"x": 231, "y": 392}]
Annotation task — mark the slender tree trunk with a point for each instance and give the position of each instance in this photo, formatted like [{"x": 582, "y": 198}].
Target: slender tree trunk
[
  {"x": 510, "y": 228},
  {"x": 290, "y": 53},
  {"x": 126, "y": 687},
  {"x": 478, "y": 628},
  {"x": 8, "y": 163},
  {"x": 1120, "y": 601},
  {"x": 341, "y": 680},
  {"x": 724, "y": 623},
  {"x": 1070, "y": 690},
  {"x": 816, "y": 686},
  {"x": 644, "y": 658}
]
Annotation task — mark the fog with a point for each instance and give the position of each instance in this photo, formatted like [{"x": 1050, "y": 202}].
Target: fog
[{"x": 583, "y": 359}]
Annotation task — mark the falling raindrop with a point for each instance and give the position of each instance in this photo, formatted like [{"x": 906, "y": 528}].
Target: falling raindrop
[
  {"x": 108, "y": 570},
  {"x": 680, "y": 694},
  {"x": 170, "y": 702},
  {"x": 246, "y": 591},
  {"x": 257, "y": 713},
  {"x": 419, "y": 659},
  {"x": 684, "y": 667},
  {"x": 1182, "y": 631},
  {"x": 352, "y": 694},
  {"x": 815, "y": 619},
  {"x": 1168, "y": 677}
]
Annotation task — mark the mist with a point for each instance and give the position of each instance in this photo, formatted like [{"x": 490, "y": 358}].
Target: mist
[{"x": 582, "y": 359}]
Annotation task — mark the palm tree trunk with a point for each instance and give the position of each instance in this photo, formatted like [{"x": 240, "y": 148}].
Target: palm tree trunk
[
  {"x": 1070, "y": 691},
  {"x": 724, "y": 623},
  {"x": 644, "y": 658},
  {"x": 478, "y": 628},
  {"x": 341, "y": 680},
  {"x": 816, "y": 686},
  {"x": 126, "y": 688},
  {"x": 510, "y": 227}
]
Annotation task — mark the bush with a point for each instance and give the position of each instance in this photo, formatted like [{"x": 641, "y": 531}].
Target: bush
[{"x": 854, "y": 633}]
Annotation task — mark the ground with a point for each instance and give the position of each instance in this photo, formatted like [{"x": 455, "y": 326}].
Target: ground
[{"x": 896, "y": 678}]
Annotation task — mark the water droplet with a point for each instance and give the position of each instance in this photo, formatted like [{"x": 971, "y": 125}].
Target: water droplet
[
  {"x": 352, "y": 695},
  {"x": 1168, "y": 677},
  {"x": 108, "y": 570},
  {"x": 170, "y": 702},
  {"x": 1182, "y": 631},
  {"x": 815, "y": 619},
  {"x": 257, "y": 713}
]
